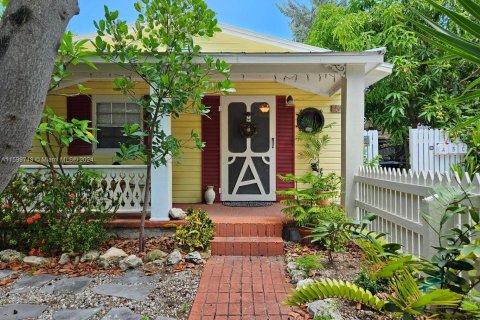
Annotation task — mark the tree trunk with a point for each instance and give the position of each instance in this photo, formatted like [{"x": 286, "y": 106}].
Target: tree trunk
[
  {"x": 146, "y": 205},
  {"x": 30, "y": 35}
]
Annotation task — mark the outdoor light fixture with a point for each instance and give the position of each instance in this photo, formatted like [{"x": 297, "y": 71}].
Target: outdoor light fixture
[
  {"x": 265, "y": 107},
  {"x": 290, "y": 102}
]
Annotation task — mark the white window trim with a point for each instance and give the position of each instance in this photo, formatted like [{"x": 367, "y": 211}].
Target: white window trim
[{"x": 117, "y": 98}]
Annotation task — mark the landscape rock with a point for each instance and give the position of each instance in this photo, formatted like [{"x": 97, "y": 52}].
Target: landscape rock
[
  {"x": 68, "y": 285},
  {"x": 5, "y": 273},
  {"x": 64, "y": 259},
  {"x": 326, "y": 309},
  {"x": 206, "y": 254},
  {"x": 10, "y": 255},
  {"x": 194, "y": 257},
  {"x": 174, "y": 258},
  {"x": 155, "y": 255},
  {"x": 28, "y": 283},
  {"x": 91, "y": 255},
  {"x": 75, "y": 314},
  {"x": 136, "y": 292},
  {"x": 135, "y": 277},
  {"x": 291, "y": 266},
  {"x": 34, "y": 260},
  {"x": 21, "y": 311},
  {"x": 304, "y": 283},
  {"x": 177, "y": 214},
  {"x": 158, "y": 263},
  {"x": 297, "y": 275},
  {"x": 111, "y": 258},
  {"x": 130, "y": 262},
  {"x": 123, "y": 313}
]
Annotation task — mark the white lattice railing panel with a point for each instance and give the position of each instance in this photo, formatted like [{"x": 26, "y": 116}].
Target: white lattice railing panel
[
  {"x": 397, "y": 197},
  {"x": 123, "y": 182}
]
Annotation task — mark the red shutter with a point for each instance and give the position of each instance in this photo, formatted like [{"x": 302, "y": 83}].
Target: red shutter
[
  {"x": 285, "y": 142},
  {"x": 80, "y": 108},
  {"x": 211, "y": 153}
]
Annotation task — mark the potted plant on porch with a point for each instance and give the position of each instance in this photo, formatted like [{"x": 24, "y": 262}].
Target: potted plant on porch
[{"x": 303, "y": 202}]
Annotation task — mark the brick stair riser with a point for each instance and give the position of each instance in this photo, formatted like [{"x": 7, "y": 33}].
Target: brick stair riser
[
  {"x": 251, "y": 247},
  {"x": 248, "y": 230}
]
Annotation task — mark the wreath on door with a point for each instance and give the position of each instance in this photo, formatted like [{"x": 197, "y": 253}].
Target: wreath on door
[{"x": 248, "y": 129}]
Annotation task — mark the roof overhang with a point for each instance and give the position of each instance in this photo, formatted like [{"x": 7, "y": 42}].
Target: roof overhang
[{"x": 316, "y": 72}]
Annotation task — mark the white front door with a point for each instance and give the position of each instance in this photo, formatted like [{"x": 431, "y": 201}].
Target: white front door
[{"x": 248, "y": 164}]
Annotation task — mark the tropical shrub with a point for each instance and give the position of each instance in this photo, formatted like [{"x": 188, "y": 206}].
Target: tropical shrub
[
  {"x": 197, "y": 232},
  {"x": 52, "y": 212},
  {"x": 367, "y": 283},
  {"x": 302, "y": 201},
  {"x": 309, "y": 262}
]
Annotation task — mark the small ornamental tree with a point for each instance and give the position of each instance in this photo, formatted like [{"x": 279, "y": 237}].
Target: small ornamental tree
[{"x": 159, "y": 48}]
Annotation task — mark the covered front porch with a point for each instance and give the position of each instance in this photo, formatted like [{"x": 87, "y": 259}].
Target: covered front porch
[{"x": 320, "y": 74}]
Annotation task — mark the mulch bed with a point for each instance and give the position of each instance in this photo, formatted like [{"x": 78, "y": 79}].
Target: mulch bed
[
  {"x": 71, "y": 269},
  {"x": 346, "y": 267}
]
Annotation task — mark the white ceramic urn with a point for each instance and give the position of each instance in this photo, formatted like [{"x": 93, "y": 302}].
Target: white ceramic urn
[{"x": 209, "y": 195}]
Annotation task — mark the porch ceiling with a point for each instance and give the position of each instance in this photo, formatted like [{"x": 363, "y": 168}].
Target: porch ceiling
[{"x": 317, "y": 72}]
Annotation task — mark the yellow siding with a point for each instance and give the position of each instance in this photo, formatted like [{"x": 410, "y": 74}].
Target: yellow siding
[{"x": 187, "y": 169}]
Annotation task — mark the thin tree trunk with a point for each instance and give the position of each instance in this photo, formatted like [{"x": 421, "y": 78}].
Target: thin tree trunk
[
  {"x": 30, "y": 35},
  {"x": 146, "y": 205}
]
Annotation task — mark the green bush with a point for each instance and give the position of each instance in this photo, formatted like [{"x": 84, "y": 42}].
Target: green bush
[
  {"x": 374, "y": 286},
  {"x": 52, "y": 212},
  {"x": 309, "y": 262},
  {"x": 197, "y": 232}
]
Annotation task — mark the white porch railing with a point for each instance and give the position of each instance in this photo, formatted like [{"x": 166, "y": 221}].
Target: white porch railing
[
  {"x": 127, "y": 181},
  {"x": 397, "y": 197}
]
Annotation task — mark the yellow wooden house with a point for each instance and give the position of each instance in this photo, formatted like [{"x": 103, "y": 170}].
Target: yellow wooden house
[{"x": 275, "y": 79}]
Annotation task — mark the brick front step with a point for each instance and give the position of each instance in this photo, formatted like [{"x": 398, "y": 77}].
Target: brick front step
[
  {"x": 248, "y": 229},
  {"x": 247, "y": 246}
]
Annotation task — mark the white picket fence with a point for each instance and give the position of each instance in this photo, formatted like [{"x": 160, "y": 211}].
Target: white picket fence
[
  {"x": 370, "y": 150},
  {"x": 433, "y": 150},
  {"x": 398, "y": 198},
  {"x": 123, "y": 182}
]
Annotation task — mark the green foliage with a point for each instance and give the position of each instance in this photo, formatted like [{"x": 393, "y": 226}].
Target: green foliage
[
  {"x": 409, "y": 301},
  {"x": 302, "y": 203},
  {"x": 335, "y": 233},
  {"x": 48, "y": 212},
  {"x": 55, "y": 134},
  {"x": 373, "y": 285},
  {"x": 197, "y": 232},
  {"x": 456, "y": 249},
  {"x": 309, "y": 262},
  {"x": 331, "y": 288},
  {"x": 160, "y": 49},
  {"x": 312, "y": 145},
  {"x": 471, "y": 304},
  {"x": 421, "y": 76}
]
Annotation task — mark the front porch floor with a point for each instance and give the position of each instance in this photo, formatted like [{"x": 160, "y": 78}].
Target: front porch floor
[{"x": 223, "y": 214}]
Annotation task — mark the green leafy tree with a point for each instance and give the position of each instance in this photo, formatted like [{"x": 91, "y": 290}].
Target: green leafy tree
[
  {"x": 422, "y": 76},
  {"x": 302, "y": 16},
  {"x": 160, "y": 49},
  {"x": 462, "y": 42}
]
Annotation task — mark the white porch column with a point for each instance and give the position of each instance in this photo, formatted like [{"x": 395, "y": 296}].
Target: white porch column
[
  {"x": 353, "y": 113},
  {"x": 162, "y": 184}
]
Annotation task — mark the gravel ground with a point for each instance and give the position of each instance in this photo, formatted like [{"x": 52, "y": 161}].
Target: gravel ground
[{"x": 173, "y": 296}]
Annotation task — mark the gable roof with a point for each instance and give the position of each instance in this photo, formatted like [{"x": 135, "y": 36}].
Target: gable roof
[{"x": 236, "y": 40}]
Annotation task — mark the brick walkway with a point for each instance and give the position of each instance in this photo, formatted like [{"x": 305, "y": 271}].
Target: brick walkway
[{"x": 234, "y": 287}]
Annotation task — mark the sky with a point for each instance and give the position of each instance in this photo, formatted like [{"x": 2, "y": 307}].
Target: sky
[{"x": 256, "y": 15}]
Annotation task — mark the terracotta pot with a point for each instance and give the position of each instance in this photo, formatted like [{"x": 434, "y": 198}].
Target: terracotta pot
[
  {"x": 324, "y": 202},
  {"x": 304, "y": 232}
]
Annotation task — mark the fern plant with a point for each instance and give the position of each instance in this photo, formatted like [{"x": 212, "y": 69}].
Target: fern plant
[{"x": 331, "y": 288}]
